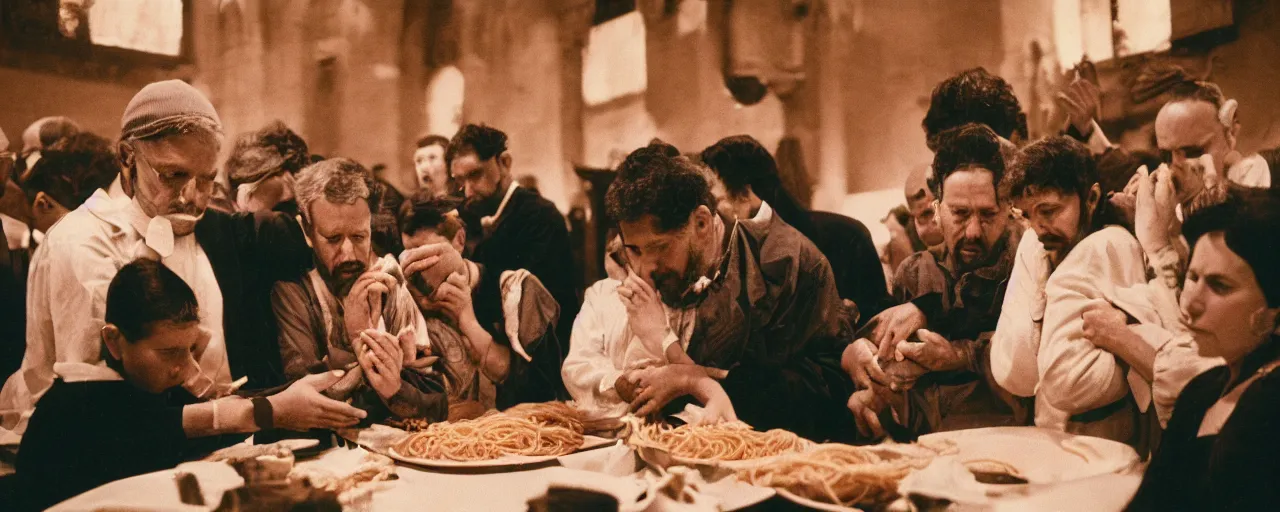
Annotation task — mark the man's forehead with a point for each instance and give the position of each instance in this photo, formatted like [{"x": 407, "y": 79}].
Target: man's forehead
[
  {"x": 1040, "y": 196},
  {"x": 182, "y": 151},
  {"x": 331, "y": 215},
  {"x": 465, "y": 163},
  {"x": 644, "y": 231},
  {"x": 969, "y": 185},
  {"x": 1183, "y": 123}
]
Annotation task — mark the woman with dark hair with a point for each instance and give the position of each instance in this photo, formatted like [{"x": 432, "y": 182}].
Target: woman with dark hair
[
  {"x": 1220, "y": 451},
  {"x": 750, "y": 185},
  {"x": 100, "y": 423}
]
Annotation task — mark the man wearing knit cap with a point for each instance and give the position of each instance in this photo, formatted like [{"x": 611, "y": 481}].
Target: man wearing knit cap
[{"x": 169, "y": 142}]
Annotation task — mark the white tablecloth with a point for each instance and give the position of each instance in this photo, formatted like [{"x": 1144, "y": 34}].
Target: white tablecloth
[{"x": 421, "y": 488}]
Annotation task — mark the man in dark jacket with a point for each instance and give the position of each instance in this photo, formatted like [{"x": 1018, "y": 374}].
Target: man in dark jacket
[
  {"x": 761, "y": 298},
  {"x": 513, "y": 228}
]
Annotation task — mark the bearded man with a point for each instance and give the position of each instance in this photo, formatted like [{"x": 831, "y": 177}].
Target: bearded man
[
  {"x": 950, "y": 299},
  {"x": 350, "y": 309},
  {"x": 754, "y": 303},
  {"x": 1077, "y": 258}
]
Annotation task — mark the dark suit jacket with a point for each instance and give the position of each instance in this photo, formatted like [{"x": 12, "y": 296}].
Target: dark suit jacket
[
  {"x": 848, "y": 247},
  {"x": 532, "y": 235},
  {"x": 249, "y": 253}
]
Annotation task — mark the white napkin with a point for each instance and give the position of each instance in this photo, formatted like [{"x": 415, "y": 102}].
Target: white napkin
[{"x": 617, "y": 460}]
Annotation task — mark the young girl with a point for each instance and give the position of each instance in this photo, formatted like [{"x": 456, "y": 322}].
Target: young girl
[{"x": 103, "y": 423}]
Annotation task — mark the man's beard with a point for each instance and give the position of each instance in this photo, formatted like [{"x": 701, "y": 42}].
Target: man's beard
[
  {"x": 477, "y": 206},
  {"x": 672, "y": 286},
  {"x": 344, "y": 276},
  {"x": 981, "y": 253},
  {"x": 1062, "y": 245}
]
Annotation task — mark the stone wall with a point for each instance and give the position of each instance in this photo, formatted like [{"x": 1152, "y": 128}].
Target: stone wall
[
  {"x": 686, "y": 103},
  {"x": 31, "y": 95}
]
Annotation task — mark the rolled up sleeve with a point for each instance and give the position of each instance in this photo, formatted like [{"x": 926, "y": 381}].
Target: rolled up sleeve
[{"x": 1075, "y": 375}]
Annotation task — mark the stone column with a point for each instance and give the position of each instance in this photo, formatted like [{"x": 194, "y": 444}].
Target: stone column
[
  {"x": 575, "y": 27},
  {"x": 827, "y": 71}
]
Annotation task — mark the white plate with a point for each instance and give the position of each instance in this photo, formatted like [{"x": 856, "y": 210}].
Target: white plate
[
  {"x": 1042, "y": 456},
  {"x": 735, "y": 494},
  {"x": 506, "y": 461},
  {"x": 816, "y": 505}
]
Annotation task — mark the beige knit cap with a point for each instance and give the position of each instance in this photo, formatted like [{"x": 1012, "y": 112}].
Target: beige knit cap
[{"x": 160, "y": 104}]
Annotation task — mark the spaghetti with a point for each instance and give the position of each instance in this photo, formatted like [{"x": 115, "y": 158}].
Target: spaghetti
[
  {"x": 550, "y": 429},
  {"x": 723, "y": 442},
  {"x": 841, "y": 474}
]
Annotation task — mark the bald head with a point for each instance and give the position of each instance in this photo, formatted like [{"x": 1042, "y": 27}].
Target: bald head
[
  {"x": 46, "y": 131},
  {"x": 920, "y": 202},
  {"x": 1187, "y": 129},
  {"x": 917, "y": 182}
]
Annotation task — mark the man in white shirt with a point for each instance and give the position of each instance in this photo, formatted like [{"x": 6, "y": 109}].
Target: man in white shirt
[
  {"x": 170, "y": 138},
  {"x": 1077, "y": 259}
]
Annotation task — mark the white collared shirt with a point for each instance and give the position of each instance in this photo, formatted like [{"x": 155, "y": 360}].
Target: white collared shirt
[
  {"x": 66, "y": 299},
  {"x": 602, "y": 347}
]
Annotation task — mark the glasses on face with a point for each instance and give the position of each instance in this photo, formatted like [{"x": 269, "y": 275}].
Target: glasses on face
[{"x": 176, "y": 179}]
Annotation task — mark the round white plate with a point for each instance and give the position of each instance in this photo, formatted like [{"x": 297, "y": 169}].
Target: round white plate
[
  {"x": 505, "y": 461},
  {"x": 1042, "y": 456},
  {"x": 816, "y": 505}
]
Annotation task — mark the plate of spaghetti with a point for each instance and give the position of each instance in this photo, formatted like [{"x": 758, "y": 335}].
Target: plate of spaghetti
[
  {"x": 841, "y": 477},
  {"x": 730, "y": 445},
  {"x": 524, "y": 434}
]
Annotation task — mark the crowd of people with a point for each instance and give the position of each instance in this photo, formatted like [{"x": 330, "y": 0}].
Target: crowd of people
[{"x": 152, "y": 314}]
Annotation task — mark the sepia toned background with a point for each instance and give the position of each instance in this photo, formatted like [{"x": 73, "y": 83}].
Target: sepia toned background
[{"x": 583, "y": 82}]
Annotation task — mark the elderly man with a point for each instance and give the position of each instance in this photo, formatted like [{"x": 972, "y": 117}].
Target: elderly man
[
  {"x": 170, "y": 137},
  {"x": 951, "y": 296},
  {"x": 754, "y": 304},
  {"x": 1076, "y": 259},
  {"x": 350, "y": 308},
  {"x": 1200, "y": 120}
]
